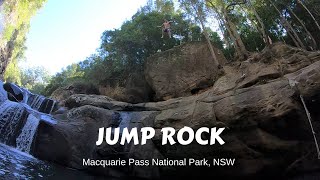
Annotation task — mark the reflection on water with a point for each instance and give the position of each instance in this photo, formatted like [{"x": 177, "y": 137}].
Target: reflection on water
[{"x": 15, "y": 164}]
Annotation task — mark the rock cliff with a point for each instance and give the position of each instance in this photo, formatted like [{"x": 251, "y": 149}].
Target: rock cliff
[
  {"x": 258, "y": 101},
  {"x": 182, "y": 71}
]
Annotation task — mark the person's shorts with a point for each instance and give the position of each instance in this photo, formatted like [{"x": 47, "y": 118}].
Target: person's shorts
[{"x": 166, "y": 30}]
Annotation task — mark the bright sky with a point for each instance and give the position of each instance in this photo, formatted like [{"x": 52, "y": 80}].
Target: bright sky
[{"x": 67, "y": 31}]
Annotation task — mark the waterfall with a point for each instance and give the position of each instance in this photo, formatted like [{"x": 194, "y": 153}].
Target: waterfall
[
  {"x": 19, "y": 120},
  {"x": 52, "y": 107},
  {"x": 125, "y": 118},
  {"x": 12, "y": 115},
  {"x": 25, "y": 139},
  {"x": 38, "y": 102},
  {"x": 25, "y": 95}
]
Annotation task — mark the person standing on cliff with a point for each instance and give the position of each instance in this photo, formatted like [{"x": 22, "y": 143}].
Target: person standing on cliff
[{"x": 166, "y": 28}]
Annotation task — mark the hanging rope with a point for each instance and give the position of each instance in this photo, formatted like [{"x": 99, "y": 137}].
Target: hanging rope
[
  {"x": 293, "y": 83},
  {"x": 311, "y": 126}
]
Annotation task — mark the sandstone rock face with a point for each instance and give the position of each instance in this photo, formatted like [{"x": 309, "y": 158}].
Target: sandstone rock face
[
  {"x": 257, "y": 101},
  {"x": 267, "y": 130},
  {"x": 182, "y": 71},
  {"x": 272, "y": 63}
]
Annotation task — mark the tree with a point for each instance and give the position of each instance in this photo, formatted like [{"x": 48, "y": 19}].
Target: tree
[
  {"x": 261, "y": 28},
  {"x": 222, "y": 9},
  {"x": 35, "y": 79},
  {"x": 292, "y": 33},
  {"x": 313, "y": 18},
  {"x": 197, "y": 9},
  {"x": 314, "y": 43},
  {"x": 13, "y": 73},
  {"x": 17, "y": 15},
  {"x": 123, "y": 51}
]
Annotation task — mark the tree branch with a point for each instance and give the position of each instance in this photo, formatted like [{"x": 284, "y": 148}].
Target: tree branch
[{"x": 236, "y": 3}]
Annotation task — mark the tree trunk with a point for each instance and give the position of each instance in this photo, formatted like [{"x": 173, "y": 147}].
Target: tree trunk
[
  {"x": 289, "y": 28},
  {"x": 233, "y": 39},
  {"x": 313, "y": 18},
  {"x": 225, "y": 37},
  {"x": 232, "y": 30},
  {"x": 262, "y": 28},
  {"x": 221, "y": 17},
  {"x": 314, "y": 43},
  {"x": 213, "y": 54},
  {"x": 243, "y": 51}
]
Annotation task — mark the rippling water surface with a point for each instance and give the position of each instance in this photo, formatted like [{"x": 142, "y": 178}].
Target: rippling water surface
[{"x": 15, "y": 164}]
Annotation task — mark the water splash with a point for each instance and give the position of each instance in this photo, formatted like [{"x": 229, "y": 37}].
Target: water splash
[{"x": 25, "y": 139}]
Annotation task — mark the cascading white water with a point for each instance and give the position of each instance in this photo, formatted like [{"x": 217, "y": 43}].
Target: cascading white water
[
  {"x": 25, "y": 139},
  {"x": 42, "y": 98},
  {"x": 125, "y": 118},
  {"x": 36, "y": 103},
  {"x": 19, "y": 120},
  {"x": 11, "y": 114},
  {"x": 26, "y": 94},
  {"x": 53, "y": 104}
]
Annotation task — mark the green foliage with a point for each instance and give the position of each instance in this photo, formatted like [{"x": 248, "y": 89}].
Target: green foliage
[
  {"x": 71, "y": 74},
  {"x": 34, "y": 79},
  {"x": 17, "y": 14},
  {"x": 124, "y": 50},
  {"x": 13, "y": 73}
]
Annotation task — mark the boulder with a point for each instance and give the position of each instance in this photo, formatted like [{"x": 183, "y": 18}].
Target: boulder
[
  {"x": 73, "y": 138},
  {"x": 14, "y": 92},
  {"x": 182, "y": 71},
  {"x": 135, "y": 89},
  {"x": 62, "y": 93}
]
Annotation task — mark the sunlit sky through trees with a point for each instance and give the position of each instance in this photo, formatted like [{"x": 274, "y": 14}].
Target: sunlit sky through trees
[{"x": 65, "y": 32}]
